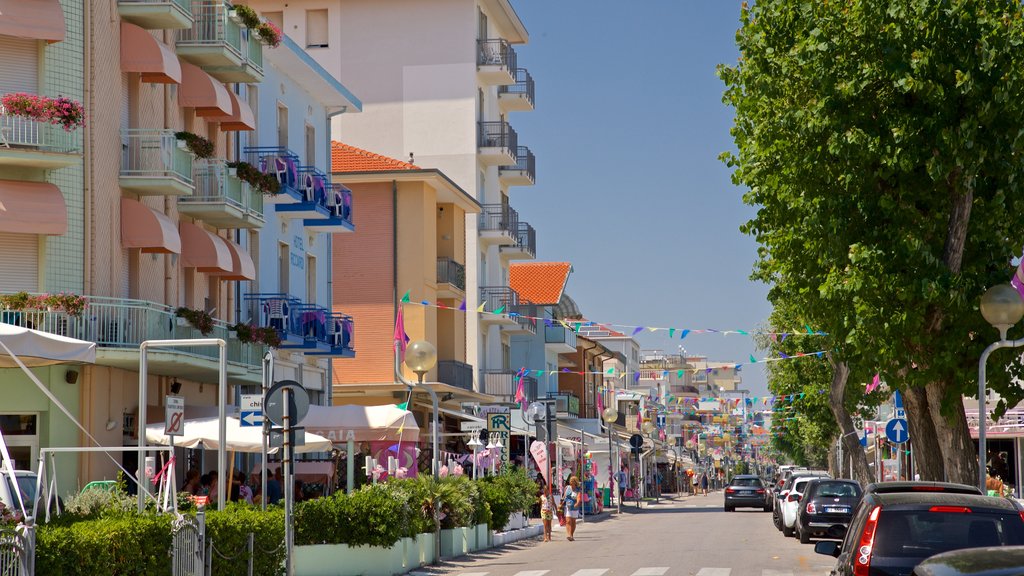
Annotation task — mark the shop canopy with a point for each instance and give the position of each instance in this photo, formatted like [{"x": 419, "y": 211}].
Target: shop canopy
[
  {"x": 203, "y": 433},
  {"x": 36, "y": 348},
  {"x": 365, "y": 423}
]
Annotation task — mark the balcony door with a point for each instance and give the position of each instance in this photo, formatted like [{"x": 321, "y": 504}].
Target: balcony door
[
  {"x": 19, "y": 66},
  {"x": 19, "y": 259}
]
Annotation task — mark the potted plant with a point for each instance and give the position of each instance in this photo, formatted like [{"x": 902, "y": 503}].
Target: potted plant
[
  {"x": 60, "y": 111},
  {"x": 244, "y": 15},
  {"x": 249, "y": 334},
  {"x": 201, "y": 147},
  {"x": 269, "y": 34},
  {"x": 263, "y": 183},
  {"x": 198, "y": 319}
]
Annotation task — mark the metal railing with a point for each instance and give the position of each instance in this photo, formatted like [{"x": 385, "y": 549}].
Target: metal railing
[
  {"x": 497, "y": 135},
  {"x": 499, "y": 218},
  {"x": 150, "y": 153},
  {"x": 566, "y": 403},
  {"x": 451, "y": 272},
  {"x": 525, "y": 315},
  {"x": 526, "y": 238},
  {"x": 455, "y": 373},
  {"x": 183, "y": 5},
  {"x": 294, "y": 320},
  {"x": 503, "y": 383},
  {"x": 215, "y": 184},
  {"x": 188, "y": 537},
  {"x": 16, "y": 551},
  {"x": 211, "y": 26},
  {"x": 279, "y": 161},
  {"x": 524, "y": 85},
  {"x": 126, "y": 323},
  {"x": 24, "y": 132},
  {"x": 495, "y": 297},
  {"x": 558, "y": 334},
  {"x": 496, "y": 52},
  {"x": 525, "y": 162},
  {"x": 253, "y": 51}
]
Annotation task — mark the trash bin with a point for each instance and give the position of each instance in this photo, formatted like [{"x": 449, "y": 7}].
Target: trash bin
[{"x": 606, "y": 497}]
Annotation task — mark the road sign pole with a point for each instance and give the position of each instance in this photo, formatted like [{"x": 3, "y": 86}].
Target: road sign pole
[{"x": 289, "y": 491}]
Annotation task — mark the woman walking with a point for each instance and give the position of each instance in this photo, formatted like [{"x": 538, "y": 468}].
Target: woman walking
[
  {"x": 704, "y": 483},
  {"x": 573, "y": 504}
]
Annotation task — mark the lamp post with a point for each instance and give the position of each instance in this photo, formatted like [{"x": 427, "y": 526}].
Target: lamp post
[
  {"x": 610, "y": 415},
  {"x": 475, "y": 443},
  {"x": 540, "y": 410},
  {"x": 1002, "y": 307}
]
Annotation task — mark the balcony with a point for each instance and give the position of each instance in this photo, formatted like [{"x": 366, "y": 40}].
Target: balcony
[
  {"x": 497, "y": 143},
  {"x": 455, "y": 373},
  {"x": 567, "y": 404},
  {"x": 157, "y": 14},
  {"x": 496, "y": 298},
  {"x": 502, "y": 383},
  {"x": 283, "y": 164},
  {"x": 312, "y": 188},
  {"x": 523, "y": 172},
  {"x": 517, "y": 97},
  {"x": 339, "y": 206},
  {"x": 525, "y": 316},
  {"x": 302, "y": 327},
  {"x": 118, "y": 326},
  {"x": 499, "y": 224},
  {"x": 495, "y": 62},
  {"x": 559, "y": 339},
  {"x": 28, "y": 143},
  {"x": 451, "y": 278},
  {"x": 221, "y": 199},
  {"x": 154, "y": 164},
  {"x": 250, "y": 71},
  {"x": 525, "y": 246},
  {"x": 341, "y": 337},
  {"x": 214, "y": 41}
]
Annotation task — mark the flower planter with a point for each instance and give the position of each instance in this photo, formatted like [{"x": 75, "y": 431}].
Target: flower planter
[
  {"x": 234, "y": 17},
  {"x": 343, "y": 560},
  {"x": 182, "y": 145},
  {"x": 178, "y": 320},
  {"x": 232, "y": 334},
  {"x": 233, "y": 172}
]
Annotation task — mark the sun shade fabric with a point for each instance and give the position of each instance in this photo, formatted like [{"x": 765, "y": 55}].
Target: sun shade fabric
[
  {"x": 203, "y": 92},
  {"x": 32, "y": 208},
  {"x": 35, "y": 19},
  {"x": 366, "y": 423},
  {"x": 204, "y": 433},
  {"x": 146, "y": 229},
  {"x": 141, "y": 52},
  {"x": 242, "y": 266},
  {"x": 204, "y": 251},
  {"x": 241, "y": 117},
  {"x": 36, "y": 348}
]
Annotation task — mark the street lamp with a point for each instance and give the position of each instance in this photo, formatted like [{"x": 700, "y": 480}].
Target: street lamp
[
  {"x": 610, "y": 415},
  {"x": 475, "y": 442},
  {"x": 1002, "y": 307},
  {"x": 539, "y": 411}
]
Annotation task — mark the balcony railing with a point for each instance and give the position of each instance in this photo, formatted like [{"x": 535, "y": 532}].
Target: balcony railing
[
  {"x": 222, "y": 198},
  {"x": 526, "y": 164},
  {"x": 279, "y": 161},
  {"x": 155, "y": 154},
  {"x": 24, "y": 132},
  {"x": 496, "y": 53},
  {"x": 455, "y": 373},
  {"x": 495, "y": 297},
  {"x": 254, "y": 52},
  {"x": 212, "y": 27},
  {"x": 497, "y": 135},
  {"x": 557, "y": 334},
  {"x": 499, "y": 218},
  {"x": 124, "y": 323},
  {"x": 526, "y": 238},
  {"x": 451, "y": 272},
  {"x": 157, "y": 14},
  {"x": 567, "y": 403},
  {"x": 503, "y": 383},
  {"x": 523, "y": 86},
  {"x": 525, "y": 315},
  {"x": 302, "y": 326}
]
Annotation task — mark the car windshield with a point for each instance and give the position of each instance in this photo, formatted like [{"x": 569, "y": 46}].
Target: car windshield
[
  {"x": 923, "y": 533},
  {"x": 837, "y": 490},
  {"x": 28, "y": 490},
  {"x": 748, "y": 482}
]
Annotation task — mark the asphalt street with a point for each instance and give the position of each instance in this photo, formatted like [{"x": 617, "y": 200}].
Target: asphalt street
[{"x": 690, "y": 536}]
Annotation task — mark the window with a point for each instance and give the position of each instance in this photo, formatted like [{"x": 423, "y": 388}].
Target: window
[
  {"x": 310, "y": 145},
  {"x": 310, "y": 278},
  {"x": 283, "y": 262},
  {"x": 252, "y": 96},
  {"x": 316, "y": 28},
  {"x": 481, "y": 25},
  {"x": 254, "y": 252},
  {"x": 282, "y": 126}
]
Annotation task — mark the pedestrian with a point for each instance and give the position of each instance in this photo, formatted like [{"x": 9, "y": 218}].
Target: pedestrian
[
  {"x": 704, "y": 483},
  {"x": 546, "y": 515},
  {"x": 622, "y": 479},
  {"x": 274, "y": 488},
  {"x": 243, "y": 487},
  {"x": 573, "y": 503},
  {"x": 192, "y": 482}
]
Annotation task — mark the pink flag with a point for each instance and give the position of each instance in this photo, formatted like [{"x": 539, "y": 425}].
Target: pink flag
[
  {"x": 1018, "y": 279},
  {"x": 520, "y": 393},
  {"x": 874, "y": 384},
  {"x": 540, "y": 455},
  {"x": 400, "y": 339},
  {"x": 600, "y": 404}
]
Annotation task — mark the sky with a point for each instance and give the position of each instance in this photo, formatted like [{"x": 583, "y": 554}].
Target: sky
[{"x": 628, "y": 127}]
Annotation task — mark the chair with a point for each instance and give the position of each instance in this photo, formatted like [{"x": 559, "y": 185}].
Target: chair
[{"x": 982, "y": 533}]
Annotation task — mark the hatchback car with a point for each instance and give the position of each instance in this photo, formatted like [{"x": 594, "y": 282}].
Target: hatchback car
[
  {"x": 921, "y": 486},
  {"x": 745, "y": 491},
  {"x": 783, "y": 492},
  {"x": 791, "y": 505},
  {"x": 825, "y": 505},
  {"x": 892, "y": 533},
  {"x": 1006, "y": 561}
]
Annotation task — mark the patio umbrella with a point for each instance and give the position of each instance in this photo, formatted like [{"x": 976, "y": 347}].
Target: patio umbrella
[
  {"x": 203, "y": 433},
  {"x": 367, "y": 423}
]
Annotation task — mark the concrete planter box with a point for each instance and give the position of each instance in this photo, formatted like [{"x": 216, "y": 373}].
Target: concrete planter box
[
  {"x": 502, "y": 538},
  {"x": 483, "y": 537},
  {"x": 456, "y": 542},
  {"x": 516, "y": 521},
  {"x": 344, "y": 560}
]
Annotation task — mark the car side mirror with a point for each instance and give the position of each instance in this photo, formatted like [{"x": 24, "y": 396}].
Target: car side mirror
[
  {"x": 827, "y": 548},
  {"x": 837, "y": 531}
]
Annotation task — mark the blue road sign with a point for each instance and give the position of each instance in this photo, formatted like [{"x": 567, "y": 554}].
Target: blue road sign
[
  {"x": 250, "y": 410},
  {"x": 864, "y": 438},
  {"x": 897, "y": 431},
  {"x": 661, "y": 421},
  {"x": 897, "y": 399}
]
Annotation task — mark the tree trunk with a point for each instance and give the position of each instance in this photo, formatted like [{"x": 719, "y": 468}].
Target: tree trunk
[
  {"x": 851, "y": 442},
  {"x": 928, "y": 456},
  {"x": 958, "y": 452},
  {"x": 834, "y": 467}
]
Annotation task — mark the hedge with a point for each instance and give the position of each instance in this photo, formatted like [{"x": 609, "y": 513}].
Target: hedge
[
  {"x": 230, "y": 530},
  {"x": 124, "y": 546}
]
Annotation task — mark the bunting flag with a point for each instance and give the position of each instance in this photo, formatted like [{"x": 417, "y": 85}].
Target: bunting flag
[
  {"x": 875, "y": 383},
  {"x": 405, "y": 298},
  {"x": 400, "y": 338}
]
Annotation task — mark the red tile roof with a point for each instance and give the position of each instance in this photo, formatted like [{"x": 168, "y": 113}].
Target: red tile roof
[
  {"x": 345, "y": 158},
  {"x": 539, "y": 282}
]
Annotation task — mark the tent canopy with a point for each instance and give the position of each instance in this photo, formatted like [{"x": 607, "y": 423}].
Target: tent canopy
[
  {"x": 36, "y": 348},
  {"x": 366, "y": 423},
  {"x": 203, "y": 433}
]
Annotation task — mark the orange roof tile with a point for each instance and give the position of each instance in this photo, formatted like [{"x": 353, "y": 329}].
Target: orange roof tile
[
  {"x": 345, "y": 158},
  {"x": 539, "y": 282}
]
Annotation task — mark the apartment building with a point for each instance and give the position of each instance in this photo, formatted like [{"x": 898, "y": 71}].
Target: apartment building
[
  {"x": 202, "y": 208},
  {"x": 439, "y": 80}
]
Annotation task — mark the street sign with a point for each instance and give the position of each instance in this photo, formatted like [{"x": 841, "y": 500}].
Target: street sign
[
  {"x": 660, "y": 421},
  {"x": 276, "y": 438},
  {"x": 471, "y": 426},
  {"x": 897, "y": 431},
  {"x": 499, "y": 427},
  {"x": 250, "y": 410},
  {"x": 897, "y": 401},
  {"x": 174, "y": 416},
  {"x": 273, "y": 404},
  {"x": 636, "y": 441}
]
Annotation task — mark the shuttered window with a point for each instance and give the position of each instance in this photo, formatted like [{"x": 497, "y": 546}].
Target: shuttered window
[
  {"x": 316, "y": 29},
  {"x": 19, "y": 65},
  {"x": 19, "y": 260}
]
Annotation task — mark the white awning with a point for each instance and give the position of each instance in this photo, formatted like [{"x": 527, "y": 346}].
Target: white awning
[
  {"x": 36, "y": 348},
  {"x": 203, "y": 433}
]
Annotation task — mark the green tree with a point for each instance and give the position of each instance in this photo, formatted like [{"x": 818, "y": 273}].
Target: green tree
[{"x": 881, "y": 141}]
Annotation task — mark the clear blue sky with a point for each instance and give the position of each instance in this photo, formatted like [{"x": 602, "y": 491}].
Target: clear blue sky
[{"x": 627, "y": 130}]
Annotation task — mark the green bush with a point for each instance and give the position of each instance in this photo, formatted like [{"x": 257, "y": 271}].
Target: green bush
[
  {"x": 367, "y": 517},
  {"x": 124, "y": 546},
  {"x": 506, "y": 494},
  {"x": 229, "y": 529}
]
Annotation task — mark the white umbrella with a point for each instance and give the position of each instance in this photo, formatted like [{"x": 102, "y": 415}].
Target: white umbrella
[
  {"x": 36, "y": 348},
  {"x": 203, "y": 433}
]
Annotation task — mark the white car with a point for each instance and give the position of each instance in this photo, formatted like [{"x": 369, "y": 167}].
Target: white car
[
  {"x": 26, "y": 483},
  {"x": 791, "y": 505}
]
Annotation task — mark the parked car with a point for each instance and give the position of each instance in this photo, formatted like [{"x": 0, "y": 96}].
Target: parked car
[
  {"x": 783, "y": 493},
  {"x": 891, "y": 533},
  {"x": 920, "y": 486},
  {"x": 26, "y": 483},
  {"x": 791, "y": 504},
  {"x": 745, "y": 491},
  {"x": 826, "y": 504},
  {"x": 1005, "y": 561}
]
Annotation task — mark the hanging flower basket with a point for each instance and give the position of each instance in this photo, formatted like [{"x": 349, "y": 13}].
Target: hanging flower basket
[
  {"x": 60, "y": 111},
  {"x": 201, "y": 147},
  {"x": 263, "y": 183},
  {"x": 244, "y": 15},
  {"x": 269, "y": 34}
]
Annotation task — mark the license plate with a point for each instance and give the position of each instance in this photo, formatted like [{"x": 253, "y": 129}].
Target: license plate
[
  {"x": 837, "y": 509},
  {"x": 744, "y": 492}
]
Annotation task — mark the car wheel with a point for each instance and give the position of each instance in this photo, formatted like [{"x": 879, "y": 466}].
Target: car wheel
[
  {"x": 787, "y": 531},
  {"x": 777, "y": 520},
  {"x": 805, "y": 537},
  {"x": 767, "y": 508},
  {"x": 730, "y": 508}
]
